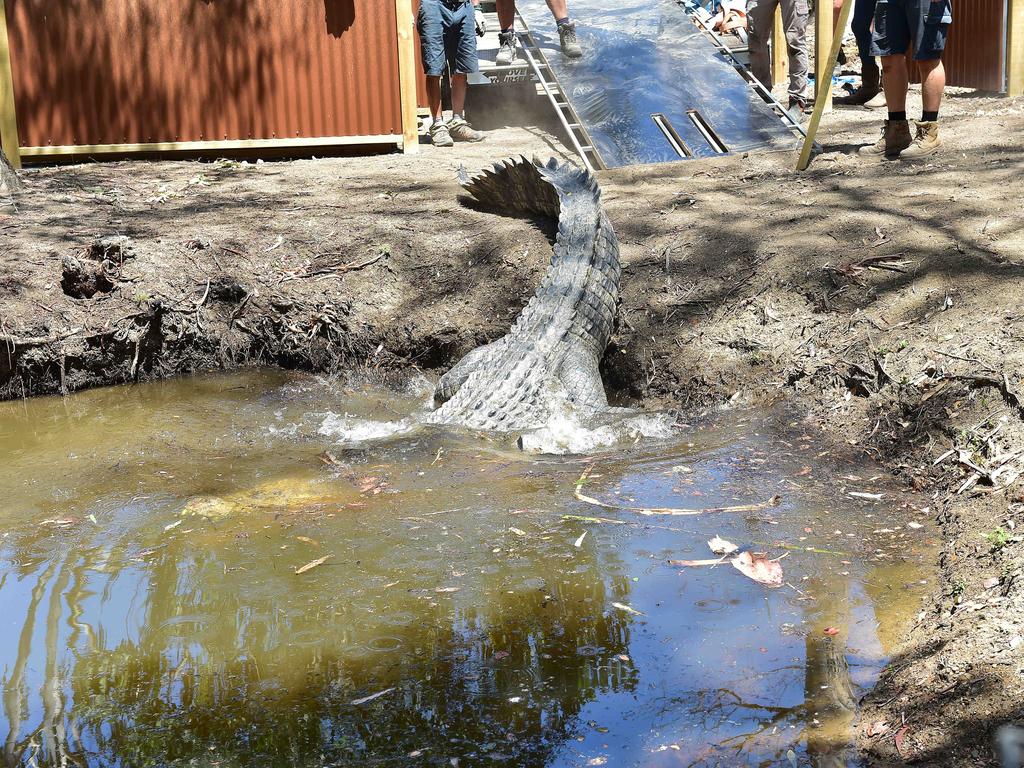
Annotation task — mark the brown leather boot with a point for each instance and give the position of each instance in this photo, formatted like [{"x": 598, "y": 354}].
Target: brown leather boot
[
  {"x": 870, "y": 85},
  {"x": 894, "y": 139},
  {"x": 927, "y": 141}
]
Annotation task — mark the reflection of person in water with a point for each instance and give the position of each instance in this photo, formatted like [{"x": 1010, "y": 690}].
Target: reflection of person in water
[{"x": 507, "y": 37}]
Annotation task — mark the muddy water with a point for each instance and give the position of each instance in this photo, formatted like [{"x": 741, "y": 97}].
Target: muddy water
[{"x": 151, "y": 612}]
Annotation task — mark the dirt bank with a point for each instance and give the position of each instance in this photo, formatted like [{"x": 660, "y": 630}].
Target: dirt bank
[{"x": 885, "y": 299}]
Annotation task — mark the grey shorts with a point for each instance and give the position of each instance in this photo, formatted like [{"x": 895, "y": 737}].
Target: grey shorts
[
  {"x": 900, "y": 23},
  {"x": 447, "y": 37}
]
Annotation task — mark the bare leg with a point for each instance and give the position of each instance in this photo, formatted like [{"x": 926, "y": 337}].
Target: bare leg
[
  {"x": 837, "y": 8},
  {"x": 933, "y": 82},
  {"x": 506, "y": 14},
  {"x": 434, "y": 97},
  {"x": 559, "y": 8},
  {"x": 894, "y": 81},
  {"x": 459, "y": 84}
]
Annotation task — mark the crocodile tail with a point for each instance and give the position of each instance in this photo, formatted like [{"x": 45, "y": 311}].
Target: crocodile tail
[{"x": 528, "y": 186}]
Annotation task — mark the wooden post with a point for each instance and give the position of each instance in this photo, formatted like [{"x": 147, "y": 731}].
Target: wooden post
[
  {"x": 780, "y": 49},
  {"x": 1015, "y": 48},
  {"x": 407, "y": 77},
  {"x": 819, "y": 103},
  {"x": 8, "y": 115},
  {"x": 823, "y": 34}
]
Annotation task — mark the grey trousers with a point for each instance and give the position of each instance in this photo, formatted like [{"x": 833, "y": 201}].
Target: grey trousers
[{"x": 760, "y": 20}]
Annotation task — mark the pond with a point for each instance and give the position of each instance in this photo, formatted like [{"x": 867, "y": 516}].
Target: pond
[{"x": 216, "y": 571}]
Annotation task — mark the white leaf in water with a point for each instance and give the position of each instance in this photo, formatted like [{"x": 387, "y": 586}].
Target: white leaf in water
[
  {"x": 173, "y": 525},
  {"x": 371, "y": 697},
  {"x": 579, "y": 542},
  {"x": 627, "y": 609},
  {"x": 720, "y": 546},
  {"x": 868, "y": 496},
  {"x": 516, "y": 531}
]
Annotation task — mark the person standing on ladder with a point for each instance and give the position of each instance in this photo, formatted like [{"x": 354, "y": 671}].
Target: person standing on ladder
[
  {"x": 507, "y": 36},
  {"x": 899, "y": 24},
  {"x": 760, "y": 21},
  {"x": 448, "y": 31}
]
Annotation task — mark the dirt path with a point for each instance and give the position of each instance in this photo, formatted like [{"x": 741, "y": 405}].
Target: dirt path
[{"x": 885, "y": 299}]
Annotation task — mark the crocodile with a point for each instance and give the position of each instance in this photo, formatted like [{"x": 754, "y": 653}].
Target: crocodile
[{"x": 547, "y": 365}]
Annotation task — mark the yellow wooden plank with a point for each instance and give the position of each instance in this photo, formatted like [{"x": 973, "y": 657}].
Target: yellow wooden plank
[
  {"x": 780, "y": 49},
  {"x": 1015, "y": 48},
  {"x": 207, "y": 146},
  {"x": 407, "y": 76},
  {"x": 819, "y": 103},
  {"x": 823, "y": 34},
  {"x": 8, "y": 113}
]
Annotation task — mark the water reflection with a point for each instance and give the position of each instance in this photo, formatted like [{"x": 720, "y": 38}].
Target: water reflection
[{"x": 458, "y": 615}]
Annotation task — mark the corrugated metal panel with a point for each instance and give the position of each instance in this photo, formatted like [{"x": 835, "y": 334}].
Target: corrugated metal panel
[
  {"x": 975, "y": 51},
  {"x": 146, "y": 71},
  {"x": 976, "y": 48}
]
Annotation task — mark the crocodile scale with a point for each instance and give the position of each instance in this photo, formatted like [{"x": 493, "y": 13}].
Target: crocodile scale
[{"x": 548, "y": 361}]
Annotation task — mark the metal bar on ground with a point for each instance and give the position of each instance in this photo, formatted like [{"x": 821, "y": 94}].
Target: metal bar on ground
[
  {"x": 207, "y": 146},
  {"x": 407, "y": 76},
  {"x": 823, "y": 34},
  {"x": 819, "y": 104},
  {"x": 8, "y": 111}
]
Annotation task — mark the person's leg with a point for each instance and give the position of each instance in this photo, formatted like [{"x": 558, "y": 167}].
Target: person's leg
[
  {"x": 870, "y": 75},
  {"x": 434, "y": 97},
  {"x": 890, "y": 40},
  {"x": 933, "y": 83},
  {"x": 506, "y": 14},
  {"x": 559, "y": 9},
  {"x": 794, "y": 20},
  {"x": 430, "y": 25},
  {"x": 462, "y": 60},
  {"x": 760, "y": 20},
  {"x": 837, "y": 9}
]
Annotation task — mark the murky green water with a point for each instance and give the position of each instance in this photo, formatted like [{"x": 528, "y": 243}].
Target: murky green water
[{"x": 151, "y": 613}]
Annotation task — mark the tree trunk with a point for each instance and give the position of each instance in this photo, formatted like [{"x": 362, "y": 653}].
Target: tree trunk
[{"x": 9, "y": 180}]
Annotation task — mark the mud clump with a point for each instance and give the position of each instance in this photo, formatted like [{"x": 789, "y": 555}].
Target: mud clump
[{"x": 97, "y": 269}]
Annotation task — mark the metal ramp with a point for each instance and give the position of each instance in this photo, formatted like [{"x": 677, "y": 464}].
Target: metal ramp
[{"x": 655, "y": 84}]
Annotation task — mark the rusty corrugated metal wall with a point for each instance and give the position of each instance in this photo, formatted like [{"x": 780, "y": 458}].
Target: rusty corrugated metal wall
[
  {"x": 147, "y": 71},
  {"x": 976, "y": 49},
  {"x": 975, "y": 55}
]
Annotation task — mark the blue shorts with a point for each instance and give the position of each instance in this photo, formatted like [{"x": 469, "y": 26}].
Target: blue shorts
[
  {"x": 898, "y": 23},
  {"x": 447, "y": 37}
]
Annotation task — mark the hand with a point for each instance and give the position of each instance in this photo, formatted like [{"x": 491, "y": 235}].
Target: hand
[{"x": 481, "y": 23}]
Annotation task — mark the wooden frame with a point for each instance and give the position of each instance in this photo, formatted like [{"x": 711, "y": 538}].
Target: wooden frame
[
  {"x": 819, "y": 104},
  {"x": 8, "y": 114},
  {"x": 823, "y": 34},
  {"x": 206, "y": 146},
  {"x": 407, "y": 76},
  {"x": 1015, "y": 48},
  {"x": 780, "y": 49}
]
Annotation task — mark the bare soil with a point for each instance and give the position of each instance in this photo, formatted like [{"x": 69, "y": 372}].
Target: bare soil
[{"x": 884, "y": 299}]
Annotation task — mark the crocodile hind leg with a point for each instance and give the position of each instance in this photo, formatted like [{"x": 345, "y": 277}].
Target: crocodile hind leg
[
  {"x": 449, "y": 384},
  {"x": 581, "y": 380}
]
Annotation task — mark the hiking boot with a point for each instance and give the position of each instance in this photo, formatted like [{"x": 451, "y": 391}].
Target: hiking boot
[
  {"x": 798, "y": 107},
  {"x": 894, "y": 139},
  {"x": 570, "y": 45},
  {"x": 870, "y": 87},
  {"x": 506, "y": 48},
  {"x": 439, "y": 134},
  {"x": 877, "y": 101},
  {"x": 460, "y": 130},
  {"x": 927, "y": 141}
]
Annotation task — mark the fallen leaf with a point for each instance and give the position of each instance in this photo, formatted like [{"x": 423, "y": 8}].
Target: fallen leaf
[
  {"x": 173, "y": 525},
  {"x": 502, "y": 655},
  {"x": 991, "y": 582},
  {"x": 446, "y": 590},
  {"x": 900, "y": 735},
  {"x": 516, "y": 531},
  {"x": 757, "y": 566},
  {"x": 694, "y": 563},
  {"x": 308, "y": 540},
  {"x": 627, "y": 609},
  {"x": 720, "y": 546},
  {"x": 914, "y": 525},
  {"x": 877, "y": 728},
  {"x": 371, "y": 697},
  {"x": 831, "y": 631},
  {"x": 310, "y": 566},
  {"x": 868, "y": 496},
  {"x": 579, "y": 542}
]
